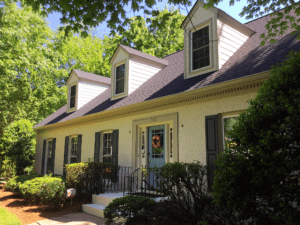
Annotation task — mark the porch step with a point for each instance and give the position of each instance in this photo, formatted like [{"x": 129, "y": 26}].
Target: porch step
[
  {"x": 94, "y": 209},
  {"x": 99, "y": 202},
  {"x": 106, "y": 198}
]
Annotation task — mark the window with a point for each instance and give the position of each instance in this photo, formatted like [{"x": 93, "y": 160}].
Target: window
[
  {"x": 49, "y": 156},
  {"x": 171, "y": 143},
  {"x": 74, "y": 146},
  {"x": 72, "y": 96},
  {"x": 200, "y": 48},
  {"x": 120, "y": 72},
  {"x": 227, "y": 125},
  {"x": 107, "y": 147}
]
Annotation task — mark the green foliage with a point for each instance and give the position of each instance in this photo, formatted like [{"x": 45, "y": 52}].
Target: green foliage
[
  {"x": 73, "y": 172},
  {"x": 8, "y": 168},
  {"x": 13, "y": 183},
  {"x": 8, "y": 218},
  {"x": 81, "y": 16},
  {"x": 128, "y": 207},
  {"x": 18, "y": 143},
  {"x": 46, "y": 190},
  {"x": 280, "y": 17},
  {"x": 30, "y": 75},
  {"x": 29, "y": 170},
  {"x": 254, "y": 176},
  {"x": 186, "y": 186}
]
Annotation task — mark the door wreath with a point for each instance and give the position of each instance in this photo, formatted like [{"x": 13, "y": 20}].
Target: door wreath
[{"x": 156, "y": 141}]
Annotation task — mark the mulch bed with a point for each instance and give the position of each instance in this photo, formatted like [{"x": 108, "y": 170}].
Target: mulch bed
[{"x": 27, "y": 213}]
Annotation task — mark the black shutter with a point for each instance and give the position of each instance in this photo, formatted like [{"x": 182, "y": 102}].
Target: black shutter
[
  {"x": 78, "y": 160},
  {"x": 53, "y": 155},
  {"x": 66, "y": 154},
  {"x": 43, "y": 157},
  {"x": 212, "y": 146},
  {"x": 114, "y": 157},
  {"x": 97, "y": 146}
]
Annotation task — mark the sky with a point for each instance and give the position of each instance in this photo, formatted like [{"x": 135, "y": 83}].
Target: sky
[{"x": 233, "y": 11}]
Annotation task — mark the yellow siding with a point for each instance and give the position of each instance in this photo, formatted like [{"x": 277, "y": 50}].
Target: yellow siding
[{"x": 191, "y": 131}]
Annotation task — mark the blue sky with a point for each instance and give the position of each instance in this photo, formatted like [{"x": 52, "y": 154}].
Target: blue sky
[{"x": 234, "y": 11}]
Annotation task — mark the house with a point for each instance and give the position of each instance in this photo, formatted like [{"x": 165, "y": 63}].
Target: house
[{"x": 157, "y": 110}]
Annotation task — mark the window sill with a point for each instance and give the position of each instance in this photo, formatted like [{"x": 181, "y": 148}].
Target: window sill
[
  {"x": 118, "y": 96},
  {"x": 201, "y": 71},
  {"x": 71, "y": 110}
]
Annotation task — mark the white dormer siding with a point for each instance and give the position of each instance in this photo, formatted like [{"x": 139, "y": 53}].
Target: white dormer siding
[
  {"x": 230, "y": 40},
  {"x": 200, "y": 18},
  {"x": 132, "y": 68},
  {"x": 141, "y": 70},
  {"x": 226, "y": 36},
  {"x": 88, "y": 91},
  {"x": 87, "y": 87}
]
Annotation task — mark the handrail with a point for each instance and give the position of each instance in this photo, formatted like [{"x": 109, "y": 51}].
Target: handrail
[{"x": 133, "y": 172}]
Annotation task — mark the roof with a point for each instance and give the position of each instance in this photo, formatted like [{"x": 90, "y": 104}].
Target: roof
[
  {"x": 249, "y": 59},
  {"x": 93, "y": 77},
  {"x": 135, "y": 52}
]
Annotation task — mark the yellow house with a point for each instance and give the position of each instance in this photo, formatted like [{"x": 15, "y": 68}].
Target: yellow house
[{"x": 157, "y": 110}]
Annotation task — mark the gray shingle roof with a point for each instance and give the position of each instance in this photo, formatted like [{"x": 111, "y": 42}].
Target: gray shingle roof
[
  {"x": 93, "y": 77},
  {"x": 250, "y": 58},
  {"x": 133, "y": 51}
]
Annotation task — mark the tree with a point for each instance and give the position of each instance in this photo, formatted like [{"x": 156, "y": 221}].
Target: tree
[
  {"x": 31, "y": 82},
  {"x": 256, "y": 174},
  {"x": 18, "y": 143},
  {"x": 84, "y": 14}
]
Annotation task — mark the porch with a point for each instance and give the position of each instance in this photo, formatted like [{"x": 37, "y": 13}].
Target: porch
[{"x": 120, "y": 182}]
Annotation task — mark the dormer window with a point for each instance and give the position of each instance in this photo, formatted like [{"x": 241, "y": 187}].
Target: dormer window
[
  {"x": 120, "y": 78},
  {"x": 73, "y": 96},
  {"x": 200, "y": 48}
]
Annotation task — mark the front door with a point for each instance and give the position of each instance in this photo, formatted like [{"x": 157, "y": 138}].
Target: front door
[
  {"x": 157, "y": 146},
  {"x": 157, "y": 152}
]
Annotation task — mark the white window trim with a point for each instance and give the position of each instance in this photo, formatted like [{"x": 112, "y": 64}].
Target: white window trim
[
  {"x": 210, "y": 48},
  {"x": 69, "y": 97},
  {"x": 102, "y": 144},
  {"x": 115, "y": 96},
  {"x": 213, "y": 49},
  {"x": 70, "y": 148}
]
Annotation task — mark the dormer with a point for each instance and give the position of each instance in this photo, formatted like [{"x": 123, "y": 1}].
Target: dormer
[
  {"x": 130, "y": 69},
  {"x": 83, "y": 87},
  {"x": 211, "y": 37}
]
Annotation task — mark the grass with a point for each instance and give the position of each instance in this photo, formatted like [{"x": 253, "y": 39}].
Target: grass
[{"x": 8, "y": 218}]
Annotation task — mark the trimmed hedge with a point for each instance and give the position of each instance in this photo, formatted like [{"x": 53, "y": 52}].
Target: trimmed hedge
[
  {"x": 13, "y": 183},
  {"x": 50, "y": 191}
]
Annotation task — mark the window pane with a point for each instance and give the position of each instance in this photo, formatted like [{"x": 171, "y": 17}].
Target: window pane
[
  {"x": 49, "y": 149},
  {"x": 72, "y": 102},
  {"x": 200, "y": 48},
  {"x": 119, "y": 86},
  {"x": 120, "y": 71},
  {"x": 107, "y": 144},
  {"x": 228, "y": 124},
  {"x": 74, "y": 147},
  {"x": 73, "y": 90},
  {"x": 107, "y": 159},
  {"x": 73, "y": 160}
]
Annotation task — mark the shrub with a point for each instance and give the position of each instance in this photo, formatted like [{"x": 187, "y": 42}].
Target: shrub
[
  {"x": 129, "y": 208},
  {"x": 254, "y": 176},
  {"x": 8, "y": 218},
  {"x": 18, "y": 143},
  {"x": 8, "y": 168},
  {"x": 13, "y": 183},
  {"x": 73, "y": 173},
  {"x": 46, "y": 190},
  {"x": 189, "y": 202}
]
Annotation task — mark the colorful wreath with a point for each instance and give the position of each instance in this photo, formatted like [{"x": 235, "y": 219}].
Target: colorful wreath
[{"x": 156, "y": 141}]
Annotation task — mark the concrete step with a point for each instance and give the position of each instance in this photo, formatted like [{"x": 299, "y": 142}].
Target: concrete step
[
  {"x": 106, "y": 198},
  {"x": 94, "y": 209}
]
